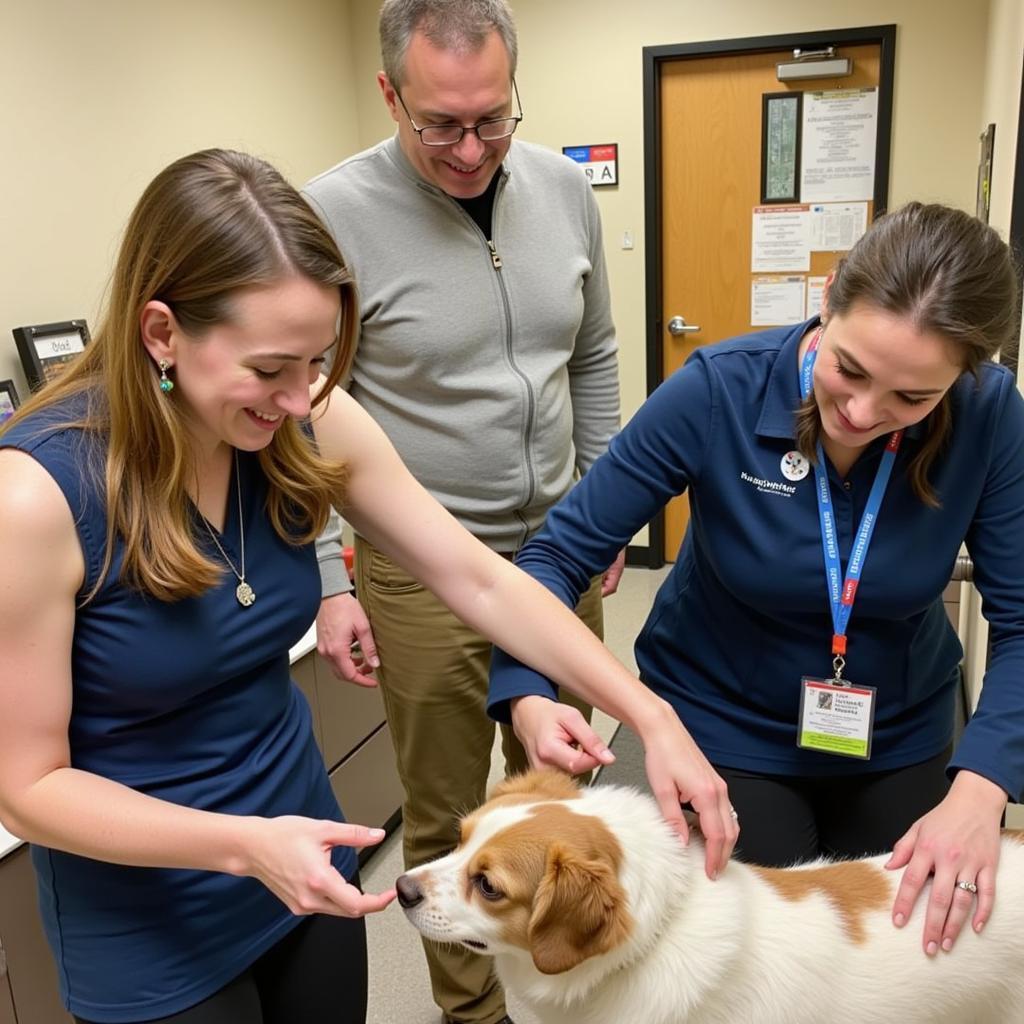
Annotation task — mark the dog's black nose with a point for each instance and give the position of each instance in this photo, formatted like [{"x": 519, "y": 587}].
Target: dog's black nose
[{"x": 409, "y": 891}]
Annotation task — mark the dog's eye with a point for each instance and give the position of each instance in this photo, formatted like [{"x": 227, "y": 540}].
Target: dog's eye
[{"x": 488, "y": 891}]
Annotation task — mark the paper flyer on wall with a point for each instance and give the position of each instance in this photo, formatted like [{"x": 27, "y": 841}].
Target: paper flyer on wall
[
  {"x": 837, "y": 159},
  {"x": 780, "y": 239},
  {"x": 776, "y": 300},
  {"x": 835, "y": 227}
]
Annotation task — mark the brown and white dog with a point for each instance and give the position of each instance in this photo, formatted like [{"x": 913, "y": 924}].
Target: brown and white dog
[{"x": 596, "y": 914}]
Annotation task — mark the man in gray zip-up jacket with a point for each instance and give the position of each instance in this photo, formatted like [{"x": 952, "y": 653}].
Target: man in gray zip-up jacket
[
  {"x": 488, "y": 355},
  {"x": 490, "y": 362}
]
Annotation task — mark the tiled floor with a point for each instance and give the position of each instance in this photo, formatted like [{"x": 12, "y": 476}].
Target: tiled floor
[{"x": 399, "y": 987}]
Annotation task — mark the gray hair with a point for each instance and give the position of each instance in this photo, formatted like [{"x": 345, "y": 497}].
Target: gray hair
[{"x": 460, "y": 25}]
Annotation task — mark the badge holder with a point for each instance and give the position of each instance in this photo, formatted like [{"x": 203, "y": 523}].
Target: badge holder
[{"x": 836, "y": 717}]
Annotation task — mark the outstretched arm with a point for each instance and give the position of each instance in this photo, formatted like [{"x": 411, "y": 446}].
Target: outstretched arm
[{"x": 514, "y": 612}]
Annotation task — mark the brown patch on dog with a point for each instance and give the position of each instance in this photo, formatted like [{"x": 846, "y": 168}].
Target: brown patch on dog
[
  {"x": 526, "y": 788},
  {"x": 542, "y": 784},
  {"x": 852, "y": 887},
  {"x": 1015, "y": 835},
  {"x": 562, "y": 899}
]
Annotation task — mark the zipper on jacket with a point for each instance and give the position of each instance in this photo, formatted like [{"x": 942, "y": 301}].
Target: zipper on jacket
[{"x": 531, "y": 401}]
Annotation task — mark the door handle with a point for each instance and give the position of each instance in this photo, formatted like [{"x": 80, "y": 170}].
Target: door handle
[{"x": 677, "y": 325}]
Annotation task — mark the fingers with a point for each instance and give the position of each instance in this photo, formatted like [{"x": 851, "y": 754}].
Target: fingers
[
  {"x": 960, "y": 908},
  {"x": 594, "y": 755},
  {"x": 342, "y": 899},
  {"x": 977, "y": 895},
  {"x": 915, "y": 875},
  {"x": 366, "y": 643},
  {"x": 948, "y": 905},
  {"x": 720, "y": 825},
  {"x": 346, "y": 666},
  {"x": 345, "y": 640},
  {"x": 563, "y": 752},
  {"x": 903, "y": 850},
  {"x": 558, "y": 736},
  {"x": 353, "y": 903},
  {"x": 349, "y": 666},
  {"x": 986, "y": 883},
  {"x": 582, "y": 763},
  {"x": 344, "y": 833},
  {"x": 589, "y": 746},
  {"x": 939, "y": 907},
  {"x": 613, "y": 575},
  {"x": 672, "y": 812}
]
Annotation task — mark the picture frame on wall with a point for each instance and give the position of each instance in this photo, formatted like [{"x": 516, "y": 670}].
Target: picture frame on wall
[
  {"x": 46, "y": 349},
  {"x": 984, "y": 196},
  {"x": 8, "y": 400},
  {"x": 781, "y": 124}
]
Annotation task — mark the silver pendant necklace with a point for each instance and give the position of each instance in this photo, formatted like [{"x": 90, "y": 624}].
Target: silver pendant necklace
[{"x": 243, "y": 592}]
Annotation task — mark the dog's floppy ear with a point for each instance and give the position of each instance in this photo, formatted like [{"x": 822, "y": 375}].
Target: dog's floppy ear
[
  {"x": 541, "y": 784},
  {"x": 579, "y": 911}
]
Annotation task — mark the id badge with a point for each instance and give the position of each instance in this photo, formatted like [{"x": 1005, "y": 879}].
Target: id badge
[{"x": 836, "y": 717}]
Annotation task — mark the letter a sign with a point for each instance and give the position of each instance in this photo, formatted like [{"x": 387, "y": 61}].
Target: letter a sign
[{"x": 600, "y": 163}]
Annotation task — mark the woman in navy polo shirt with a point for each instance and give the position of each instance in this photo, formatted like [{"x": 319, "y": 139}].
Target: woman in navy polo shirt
[
  {"x": 833, "y": 469},
  {"x": 158, "y": 507}
]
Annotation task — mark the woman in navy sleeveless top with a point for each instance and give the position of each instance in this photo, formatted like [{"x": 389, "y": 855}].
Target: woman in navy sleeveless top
[{"x": 158, "y": 507}]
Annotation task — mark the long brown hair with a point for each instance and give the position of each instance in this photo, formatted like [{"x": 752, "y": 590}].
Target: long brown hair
[
  {"x": 207, "y": 226},
  {"x": 950, "y": 275}
]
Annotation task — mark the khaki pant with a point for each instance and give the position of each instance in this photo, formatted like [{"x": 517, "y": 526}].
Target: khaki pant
[{"x": 433, "y": 678}]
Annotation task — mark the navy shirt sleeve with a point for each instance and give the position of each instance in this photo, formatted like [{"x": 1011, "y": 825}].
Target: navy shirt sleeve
[
  {"x": 654, "y": 458},
  {"x": 993, "y": 742}
]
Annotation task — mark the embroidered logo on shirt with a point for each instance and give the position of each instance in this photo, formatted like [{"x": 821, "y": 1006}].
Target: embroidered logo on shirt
[
  {"x": 768, "y": 486},
  {"x": 794, "y": 466}
]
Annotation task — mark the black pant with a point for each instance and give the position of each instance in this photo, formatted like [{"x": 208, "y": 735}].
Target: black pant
[
  {"x": 316, "y": 974},
  {"x": 787, "y": 819}
]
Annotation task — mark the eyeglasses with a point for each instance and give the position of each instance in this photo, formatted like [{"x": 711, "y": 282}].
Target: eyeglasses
[{"x": 450, "y": 134}]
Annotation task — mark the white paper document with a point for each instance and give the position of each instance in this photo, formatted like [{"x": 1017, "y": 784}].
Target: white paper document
[
  {"x": 835, "y": 227},
  {"x": 837, "y": 159},
  {"x": 780, "y": 239},
  {"x": 776, "y": 300}
]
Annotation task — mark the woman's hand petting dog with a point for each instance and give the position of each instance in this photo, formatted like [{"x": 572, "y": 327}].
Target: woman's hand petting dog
[
  {"x": 557, "y": 735},
  {"x": 959, "y": 843}
]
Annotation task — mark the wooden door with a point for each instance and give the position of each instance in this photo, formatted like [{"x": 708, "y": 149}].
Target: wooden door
[{"x": 710, "y": 173}]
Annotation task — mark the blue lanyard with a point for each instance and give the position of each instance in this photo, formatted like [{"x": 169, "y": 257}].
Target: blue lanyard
[{"x": 841, "y": 596}]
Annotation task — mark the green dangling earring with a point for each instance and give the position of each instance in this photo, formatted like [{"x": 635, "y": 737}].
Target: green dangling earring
[{"x": 166, "y": 384}]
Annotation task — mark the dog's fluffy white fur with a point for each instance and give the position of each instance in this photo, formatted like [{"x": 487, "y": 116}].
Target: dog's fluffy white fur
[{"x": 596, "y": 914}]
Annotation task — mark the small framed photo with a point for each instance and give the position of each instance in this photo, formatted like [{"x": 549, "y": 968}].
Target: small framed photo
[
  {"x": 8, "y": 399},
  {"x": 780, "y": 147},
  {"x": 984, "y": 198},
  {"x": 600, "y": 163},
  {"x": 45, "y": 349}
]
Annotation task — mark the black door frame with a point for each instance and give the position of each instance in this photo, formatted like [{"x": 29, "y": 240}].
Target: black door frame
[{"x": 884, "y": 36}]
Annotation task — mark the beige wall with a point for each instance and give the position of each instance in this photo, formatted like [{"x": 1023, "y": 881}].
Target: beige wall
[
  {"x": 99, "y": 96},
  {"x": 296, "y": 83}
]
